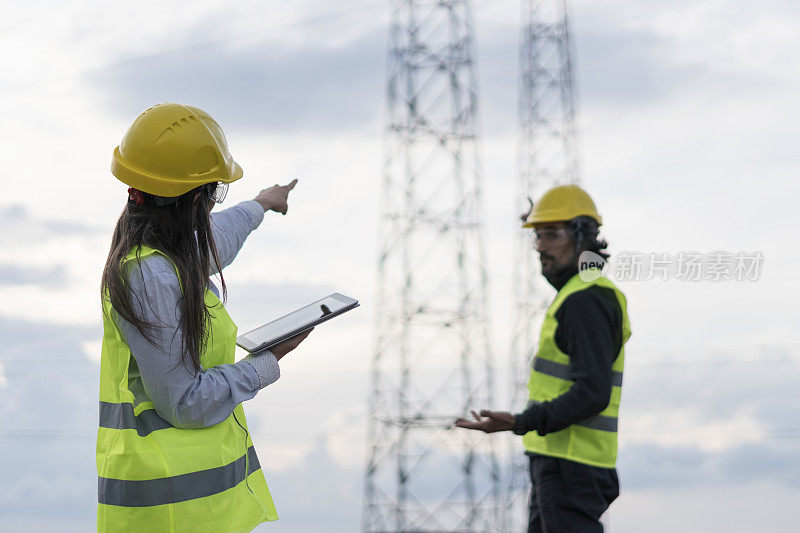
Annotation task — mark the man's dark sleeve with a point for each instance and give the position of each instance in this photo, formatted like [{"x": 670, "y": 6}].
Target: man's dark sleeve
[{"x": 590, "y": 332}]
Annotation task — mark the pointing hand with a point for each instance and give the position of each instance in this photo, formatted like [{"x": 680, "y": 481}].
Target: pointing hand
[{"x": 276, "y": 198}]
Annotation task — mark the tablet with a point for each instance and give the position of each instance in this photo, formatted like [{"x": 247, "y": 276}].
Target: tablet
[{"x": 296, "y": 322}]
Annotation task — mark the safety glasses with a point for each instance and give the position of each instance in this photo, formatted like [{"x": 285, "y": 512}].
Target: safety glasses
[
  {"x": 551, "y": 236},
  {"x": 216, "y": 191}
]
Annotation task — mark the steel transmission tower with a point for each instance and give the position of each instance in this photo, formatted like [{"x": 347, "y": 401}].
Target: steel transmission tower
[
  {"x": 546, "y": 156},
  {"x": 432, "y": 359}
]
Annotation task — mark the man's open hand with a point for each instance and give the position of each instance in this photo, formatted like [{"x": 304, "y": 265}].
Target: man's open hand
[{"x": 488, "y": 421}]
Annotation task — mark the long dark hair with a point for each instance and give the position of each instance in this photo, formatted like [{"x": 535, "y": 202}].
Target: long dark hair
[{"x": 182, "y": 232}]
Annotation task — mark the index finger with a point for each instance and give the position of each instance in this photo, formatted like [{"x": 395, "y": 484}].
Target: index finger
[{"x": 291, "y": 184}]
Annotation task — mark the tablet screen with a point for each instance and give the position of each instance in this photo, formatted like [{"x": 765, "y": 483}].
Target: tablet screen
[{"x": 305, "y": 315}]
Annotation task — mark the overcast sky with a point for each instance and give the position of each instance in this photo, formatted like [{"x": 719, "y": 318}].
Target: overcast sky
[{"x": 687, "y": 119}]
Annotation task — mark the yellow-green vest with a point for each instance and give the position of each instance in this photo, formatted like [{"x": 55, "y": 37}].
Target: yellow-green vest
[
  {"x": 158, "y": 478},
  {"x": 592, "y": 441}
]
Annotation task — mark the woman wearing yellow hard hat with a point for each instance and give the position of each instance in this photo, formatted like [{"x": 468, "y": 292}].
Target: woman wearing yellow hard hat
[{"x": 173, "y": 449}]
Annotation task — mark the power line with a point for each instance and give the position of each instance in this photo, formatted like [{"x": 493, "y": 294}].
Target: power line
[
  {"x": 633, "y": 349},
  {"x": 780, "y": 432}
]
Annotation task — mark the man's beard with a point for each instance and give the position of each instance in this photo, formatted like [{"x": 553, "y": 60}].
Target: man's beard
[{"x": 554, "y": 272}]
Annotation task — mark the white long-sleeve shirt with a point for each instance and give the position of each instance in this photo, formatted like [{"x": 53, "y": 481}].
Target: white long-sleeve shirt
[{"x": 182, "y": 397}]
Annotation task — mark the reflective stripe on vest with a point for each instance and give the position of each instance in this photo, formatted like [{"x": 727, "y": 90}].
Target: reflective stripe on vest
[
  {"x": 592, "y": 441},
  {"x": 174, "y": 489},
  {"x": 120, "y": 416},
  {"x": 156, "y": 477},
  {"x": 599, "y": 422},
  {"x": 560, "y": 370}
]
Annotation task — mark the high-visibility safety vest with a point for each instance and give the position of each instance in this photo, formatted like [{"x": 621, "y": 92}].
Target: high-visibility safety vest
[
  {"x": 592, "y": 441},
  {"x": 156, "y": 477}
]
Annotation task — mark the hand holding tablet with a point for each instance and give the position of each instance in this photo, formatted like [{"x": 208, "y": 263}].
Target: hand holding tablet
[
  {"x": 289, "y": 327},
  {"x": 279, "y": 350}
]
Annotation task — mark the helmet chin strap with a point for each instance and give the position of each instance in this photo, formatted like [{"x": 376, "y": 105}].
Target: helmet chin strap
[
  {"x": 576, "y": 253},
  {"x": 575, "y": 256}
]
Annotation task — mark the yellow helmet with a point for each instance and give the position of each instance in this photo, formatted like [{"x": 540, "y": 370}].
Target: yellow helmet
[
  {"x": 170, "y": 149},
  {"x": 560, "y": 204}
]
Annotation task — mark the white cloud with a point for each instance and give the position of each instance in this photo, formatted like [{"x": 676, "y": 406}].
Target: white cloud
[
  {"x": 346, "y": 430},
  {"x": 736, "y": 508},
  {"x": 92, "y": 349}
]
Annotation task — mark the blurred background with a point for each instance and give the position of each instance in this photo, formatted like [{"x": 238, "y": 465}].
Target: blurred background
[{"x": 686, "y": 131}]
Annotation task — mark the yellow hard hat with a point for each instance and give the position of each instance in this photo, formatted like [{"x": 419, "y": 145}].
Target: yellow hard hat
[
  {"x": 170, "y": 149},
  {"x": 560, "y": 204}
]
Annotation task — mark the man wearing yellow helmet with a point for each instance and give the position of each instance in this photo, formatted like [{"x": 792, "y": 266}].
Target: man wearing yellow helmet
[
  {"x": 173, "y": 450},
  {"x": 569, "y": 428}
]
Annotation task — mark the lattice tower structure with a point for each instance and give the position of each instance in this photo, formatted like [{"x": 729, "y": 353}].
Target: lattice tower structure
[
  {"x": 546, "y": 156},
  {"x": 432, "y": 359}
]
